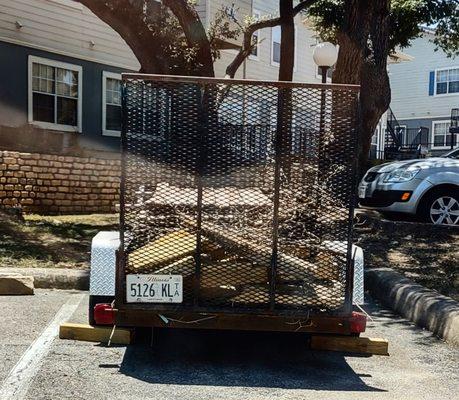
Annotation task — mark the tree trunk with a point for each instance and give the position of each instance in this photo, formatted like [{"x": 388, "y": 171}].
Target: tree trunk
[
  {"x": 287, "y": 47},
  {"x": 352, "y": 40},
  {"x": 375, "y": 91},
  {"x": 364, "y": 38}
]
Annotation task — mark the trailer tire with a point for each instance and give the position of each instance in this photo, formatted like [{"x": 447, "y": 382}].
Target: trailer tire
[{"x": 93, "y": 300}]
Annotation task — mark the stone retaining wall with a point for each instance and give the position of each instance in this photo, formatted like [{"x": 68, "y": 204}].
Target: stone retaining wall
[{"x": 52, "y": 184}]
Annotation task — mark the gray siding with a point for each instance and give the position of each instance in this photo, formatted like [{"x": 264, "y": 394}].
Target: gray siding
[
  {"x": 410, "y": 83},
  {"x": 428, "y": 123},
  {"x": 15, "y": 131}
]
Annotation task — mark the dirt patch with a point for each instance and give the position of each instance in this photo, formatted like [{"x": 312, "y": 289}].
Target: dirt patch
[
  {"x": 425, "y": 253},
  {"x": 57, "y": 241}
]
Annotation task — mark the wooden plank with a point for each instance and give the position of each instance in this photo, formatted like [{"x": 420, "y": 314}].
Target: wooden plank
[
  {"x": 90, "y": 333},
  {"x": 261, "y": 254},
  {"x": 351, "y": 344},
  {"x": 165, "y": 250}
]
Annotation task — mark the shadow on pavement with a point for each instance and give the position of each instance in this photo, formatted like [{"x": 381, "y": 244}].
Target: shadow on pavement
[{"x": 244, "y": 359}]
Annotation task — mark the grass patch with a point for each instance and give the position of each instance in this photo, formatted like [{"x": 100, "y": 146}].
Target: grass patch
[{"x": 51, "y": 241}]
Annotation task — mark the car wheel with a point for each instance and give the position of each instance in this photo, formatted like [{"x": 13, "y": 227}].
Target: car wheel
[{"x": 442, "y": 207}]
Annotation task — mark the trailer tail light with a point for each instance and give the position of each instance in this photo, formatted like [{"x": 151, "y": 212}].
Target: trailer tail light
[
  {"x": 104, "y": 314},
  {"x": 358, "y": 322}
]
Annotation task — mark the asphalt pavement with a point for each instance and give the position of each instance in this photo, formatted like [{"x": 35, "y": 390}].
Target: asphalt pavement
[{"x": 189, "y": 365}]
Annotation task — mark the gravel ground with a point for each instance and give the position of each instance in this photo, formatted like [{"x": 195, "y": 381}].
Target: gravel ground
[{"x": 226, "y": 365}]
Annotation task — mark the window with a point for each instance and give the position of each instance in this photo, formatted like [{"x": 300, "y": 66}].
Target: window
[
  {"x": 275, "y": 45},
  {"x": 111, "y": 104},
  {"x": 375, "y": 137},
  {"x": 255, "y": 38},
  {"x": 441, "y": 135},
  {"x": 447, "y": 81},
  {"x": 54, "y": 94}
]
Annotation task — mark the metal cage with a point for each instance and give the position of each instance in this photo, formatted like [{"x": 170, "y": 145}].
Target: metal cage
[{"x": 245, "y": 189}]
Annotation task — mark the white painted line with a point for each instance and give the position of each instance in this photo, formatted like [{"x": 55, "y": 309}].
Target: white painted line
[{"x": 19, "y": 379}]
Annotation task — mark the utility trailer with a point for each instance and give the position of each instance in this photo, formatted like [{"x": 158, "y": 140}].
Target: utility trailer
[{"x": 236, "y": 208}]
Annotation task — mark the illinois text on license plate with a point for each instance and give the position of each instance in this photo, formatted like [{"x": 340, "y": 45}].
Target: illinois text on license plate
[{"x": 154, "y": 288}]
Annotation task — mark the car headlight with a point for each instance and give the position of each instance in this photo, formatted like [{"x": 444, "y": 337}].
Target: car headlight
[{"x": 402, "y": 175}]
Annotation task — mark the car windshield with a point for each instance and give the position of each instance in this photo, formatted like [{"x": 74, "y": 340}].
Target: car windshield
[{"x": 452, "y": 154}]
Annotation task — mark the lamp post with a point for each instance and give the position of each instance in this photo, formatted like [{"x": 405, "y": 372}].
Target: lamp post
[{"x": 325, "y": 55}]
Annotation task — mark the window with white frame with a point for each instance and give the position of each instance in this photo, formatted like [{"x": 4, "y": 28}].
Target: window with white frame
[
  {"x": 111, "y": 104},
  {"x": 275, "y": 44},
  {"x": 55, "y": 94},
  {"x": 447, "y": 81},
  {"x": 276, "y": 36},
  {"x": 440, "y": 133},
  {"x": 255, "y": 38}
]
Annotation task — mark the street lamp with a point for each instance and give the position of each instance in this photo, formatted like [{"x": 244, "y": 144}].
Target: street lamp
[{"x": 325, "y": 55}]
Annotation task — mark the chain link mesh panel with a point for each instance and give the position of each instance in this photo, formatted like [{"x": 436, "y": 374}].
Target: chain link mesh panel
[{"x": 245, "y": 189}]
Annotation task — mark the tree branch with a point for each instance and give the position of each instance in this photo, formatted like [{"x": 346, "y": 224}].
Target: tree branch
[
  {"x": 247, "y": 44},
  {"x": 194, "y": 32}
]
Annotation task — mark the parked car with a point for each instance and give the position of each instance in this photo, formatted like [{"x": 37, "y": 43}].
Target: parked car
[{"x": 427, "y": 188}]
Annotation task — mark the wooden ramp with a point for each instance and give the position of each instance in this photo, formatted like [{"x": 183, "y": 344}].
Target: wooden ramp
[
  {"x": 100, "y": 334},
  {"x": 350, "y": 344}
]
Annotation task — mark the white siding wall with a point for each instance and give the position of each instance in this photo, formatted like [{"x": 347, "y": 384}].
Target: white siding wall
[
  {"x": 305, "y": 70},
  {"x": 66, "y": 27},
  {"x": 410, "y": 83}
]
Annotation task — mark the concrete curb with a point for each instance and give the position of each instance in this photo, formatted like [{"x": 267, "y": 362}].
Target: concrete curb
[
  {"x": 54, "y": 278},
  {"x": 428, "y": 309}
]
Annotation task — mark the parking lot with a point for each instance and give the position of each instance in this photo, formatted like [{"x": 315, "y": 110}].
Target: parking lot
[{"x": 209, "y": 365}]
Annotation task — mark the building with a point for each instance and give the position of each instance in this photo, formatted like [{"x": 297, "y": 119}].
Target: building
[
  {"x": 424, "y": 92},
  {"x": 60, "y": 97}
]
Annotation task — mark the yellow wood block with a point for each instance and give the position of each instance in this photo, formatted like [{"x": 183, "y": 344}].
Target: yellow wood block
[
  {"x": 166, "y": 249},
  {"x": 90, "y": 333},
  {"x": 351, "y": 344}
]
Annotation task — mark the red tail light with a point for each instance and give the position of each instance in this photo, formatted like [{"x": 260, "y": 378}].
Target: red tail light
[
  {"x": 104, "y": 314},
  {"x": 358, "y": 322}
]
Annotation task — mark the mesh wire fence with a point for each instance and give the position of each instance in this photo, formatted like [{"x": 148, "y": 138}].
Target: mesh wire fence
[{"x": 245, "y": 189}]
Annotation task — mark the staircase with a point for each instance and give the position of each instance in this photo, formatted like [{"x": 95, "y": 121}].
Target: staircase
[{"x": 401, "y": 143}]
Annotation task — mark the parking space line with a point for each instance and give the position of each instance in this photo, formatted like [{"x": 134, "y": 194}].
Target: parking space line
[{"x": 20, "y": 377}]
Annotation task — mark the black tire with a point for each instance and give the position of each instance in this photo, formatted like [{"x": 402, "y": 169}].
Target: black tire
[
  {"x": 93, "y": 300},
  {"x": 432, "y": 198}
]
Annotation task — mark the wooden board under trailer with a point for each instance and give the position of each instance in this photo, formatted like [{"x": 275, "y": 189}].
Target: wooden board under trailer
[
  {"x": 351, "y": 344},
  {"x": 346, "y": 344},
  {"x": 100, "y": 334}
]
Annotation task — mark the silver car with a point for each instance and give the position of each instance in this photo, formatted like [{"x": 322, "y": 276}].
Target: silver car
[{"x": 428, "y": 188}]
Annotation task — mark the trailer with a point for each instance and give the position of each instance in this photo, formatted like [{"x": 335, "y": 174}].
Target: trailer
[{"x": 236, "y": 208}]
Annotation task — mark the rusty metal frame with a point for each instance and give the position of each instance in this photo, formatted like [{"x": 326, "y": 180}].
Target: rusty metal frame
[{"x": 147, "y": 314}]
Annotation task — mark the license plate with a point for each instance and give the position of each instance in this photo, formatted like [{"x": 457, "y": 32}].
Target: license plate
[
  {"x": 362, "y": 191},
  {"x": 154, "y": 288}
]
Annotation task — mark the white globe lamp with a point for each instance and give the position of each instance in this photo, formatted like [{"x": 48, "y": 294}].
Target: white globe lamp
[{"x": 325, "y": 55}]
